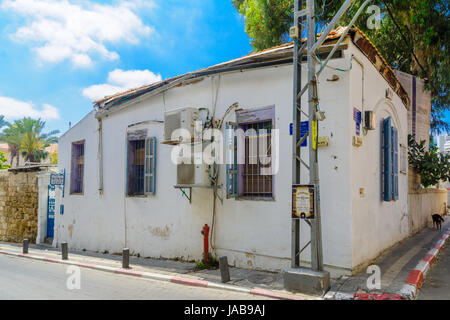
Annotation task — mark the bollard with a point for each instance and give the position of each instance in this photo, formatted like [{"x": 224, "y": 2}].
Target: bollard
[
  {"x": 224, "y": 271},
  {"x": 64, "y": 251},
  {"x": 25, "y": 245},
  {"x": 126, "y": 258}
]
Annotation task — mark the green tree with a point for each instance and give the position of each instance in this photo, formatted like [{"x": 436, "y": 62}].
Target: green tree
[
  {"x": 26, "y": 137},
  {"x": 425, "y": 35},
  {"x": 54, "y": 157},
  {"x": 431, "y": 165},
  {"x": 12, "y": 136},
  {"x": 3, "y": 122},
  {"x": 267, "y": 21},
  {"x": 2, "y": 161}
]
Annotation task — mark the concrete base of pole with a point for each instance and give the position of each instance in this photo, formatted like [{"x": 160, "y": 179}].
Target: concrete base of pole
[{"x": 306, "y": 281}]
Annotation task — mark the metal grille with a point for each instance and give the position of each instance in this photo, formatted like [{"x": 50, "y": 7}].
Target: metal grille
[
  {"x": 136, "y": 177},
  {"x": 257, "y": 156},
  {"x": 77, "y": 167}
]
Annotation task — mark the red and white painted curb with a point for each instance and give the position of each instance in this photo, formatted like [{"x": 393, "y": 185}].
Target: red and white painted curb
[
  {"x": 167, "y": 278},
  {"x": 416, "y": 276}
]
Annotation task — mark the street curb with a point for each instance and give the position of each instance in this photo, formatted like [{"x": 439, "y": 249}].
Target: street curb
[
  {"x": 161, "y": 277},
  {"x": 412, "y": 282},
  {"x": 416, "y": 276}
]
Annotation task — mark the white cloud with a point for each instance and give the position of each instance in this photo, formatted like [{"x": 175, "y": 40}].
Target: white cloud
[
  {"x": 67, "y": 30},
  {"x": 100, "y": 90},
  {"x": 15, "y": 109},
  {"x": 120, "y": 80}
]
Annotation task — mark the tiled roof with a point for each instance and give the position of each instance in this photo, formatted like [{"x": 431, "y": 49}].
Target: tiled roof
[{"x": 358, "y": 37}]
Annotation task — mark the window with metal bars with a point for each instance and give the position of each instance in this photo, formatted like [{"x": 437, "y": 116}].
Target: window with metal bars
[
  {"x": 136, "y": 162},
  {"x": 257, "y": 157},
  {"x": 77, "y": 168},
  {"x": 141, "y": 167},
  {"x": 249, "y": 172}
]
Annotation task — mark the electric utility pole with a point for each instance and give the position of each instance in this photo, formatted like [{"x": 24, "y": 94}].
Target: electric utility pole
[
  {"x": 313, "y": 280},
  {"x": 302, "y": 9},
  {"x": 306, "y": 198}
]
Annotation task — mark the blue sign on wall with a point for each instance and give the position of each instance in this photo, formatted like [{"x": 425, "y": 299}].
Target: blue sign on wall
[
  {"x": 304, "y": 128},
  {"x": 357, "y": 115}
]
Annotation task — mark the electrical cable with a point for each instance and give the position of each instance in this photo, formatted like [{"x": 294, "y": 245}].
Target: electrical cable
[
  {"x": 403, "y": 36},
  {"x": 215, "y": 175}
]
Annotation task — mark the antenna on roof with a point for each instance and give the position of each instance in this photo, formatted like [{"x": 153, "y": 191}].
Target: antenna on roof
[{"x": 70, "y": 124}]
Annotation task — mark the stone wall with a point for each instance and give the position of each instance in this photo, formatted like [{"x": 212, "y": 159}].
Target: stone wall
[
  {"x": 18, "y": 206},
  {"x": 422, "y": 203}
]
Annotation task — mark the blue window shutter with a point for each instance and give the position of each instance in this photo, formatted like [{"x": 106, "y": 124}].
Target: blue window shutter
[
  {"x": 232, "y": 174},
  {"x": 150, "y": 166},
  {"x": 128, "y": 168},
  {"x": 395, "y": 161},
  {"x": 387, "y": 160}
]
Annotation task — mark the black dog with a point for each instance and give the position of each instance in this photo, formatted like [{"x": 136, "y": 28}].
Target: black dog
[{"x": 437, "y": 221}]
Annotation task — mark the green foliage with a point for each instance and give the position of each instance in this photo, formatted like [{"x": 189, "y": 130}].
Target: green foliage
[
  {"x": 432, "y": 165},
  {"x": 25, "y": 136},
  {"x": 2, "y": 161},
  {"x": 212, "y": 264},
  {"x": 425, "y": 24},
  {"x": 267, "y": 21},
  {"x": 3, "y": 122},
  {"x": 54, "y": 157}
]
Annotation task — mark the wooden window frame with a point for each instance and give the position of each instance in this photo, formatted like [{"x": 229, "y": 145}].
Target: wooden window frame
[
  {"x": 147, "y": 185},
  {"x": 245, "y": 118},
  {"x": 72, "y": 167}
]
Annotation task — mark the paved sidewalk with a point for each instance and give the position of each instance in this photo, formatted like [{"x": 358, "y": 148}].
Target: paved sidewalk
[
  {"x": 397, "y": 266},
  {"x": 242, "y": 280}
]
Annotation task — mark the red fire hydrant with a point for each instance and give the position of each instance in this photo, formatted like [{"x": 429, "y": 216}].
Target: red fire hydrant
[{"x": 205, "y": 233}]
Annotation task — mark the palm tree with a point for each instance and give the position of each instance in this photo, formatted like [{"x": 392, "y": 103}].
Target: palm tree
[
  {"x": 33, "y": 141},
  {"x": 3, "y": 122},
  {"x": 11, "y": 135},
  {"x": 25, "y": 136}
]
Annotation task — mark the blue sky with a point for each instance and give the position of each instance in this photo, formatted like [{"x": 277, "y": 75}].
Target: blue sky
[{"x": 52, "y": 51}]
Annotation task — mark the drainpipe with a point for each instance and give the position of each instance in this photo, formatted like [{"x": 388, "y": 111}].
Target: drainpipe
[
  {"x": 363, "y": 84},
  {"x": 100, "y": 156}
]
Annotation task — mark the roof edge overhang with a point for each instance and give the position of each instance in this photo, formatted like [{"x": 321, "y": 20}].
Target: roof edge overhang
[{"x": 267, "y": 58}]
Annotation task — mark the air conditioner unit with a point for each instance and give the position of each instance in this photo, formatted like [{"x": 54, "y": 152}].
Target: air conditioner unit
[
  {"x": 193, "y": 174},
  {"x": 183, "y": 118},
  {"x": 370, "y": 121}
]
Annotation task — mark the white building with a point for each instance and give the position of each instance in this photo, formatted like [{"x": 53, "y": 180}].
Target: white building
[
  {"x": 102, "y": 153},
  {"x": 443, "y": 143},
  {"x": 447, "y": 147}
]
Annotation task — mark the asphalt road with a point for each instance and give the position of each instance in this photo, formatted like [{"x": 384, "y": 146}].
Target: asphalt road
[
  {"x": 30, "y": 279},
  {"x": 437, "y": 282}
]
